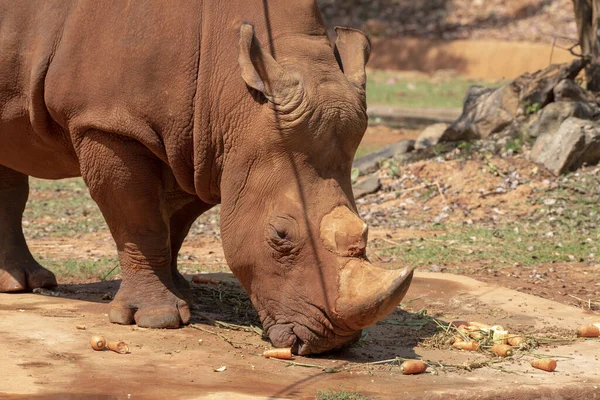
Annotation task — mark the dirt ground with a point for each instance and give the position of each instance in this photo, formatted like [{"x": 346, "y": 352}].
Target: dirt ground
[{"x": 48, "y": 358}]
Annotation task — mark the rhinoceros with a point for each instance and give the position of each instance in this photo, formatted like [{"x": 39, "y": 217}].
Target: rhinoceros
[{"x": 167, "y": 109}]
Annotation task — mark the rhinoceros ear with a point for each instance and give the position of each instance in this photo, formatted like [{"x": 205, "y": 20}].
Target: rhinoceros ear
[
  {"x": 352, "y": 50},
  {"x": 261, "y": 72}
]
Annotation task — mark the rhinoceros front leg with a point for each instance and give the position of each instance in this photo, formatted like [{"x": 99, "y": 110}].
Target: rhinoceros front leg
[
  {"x": 184, "y": 209},
  {"x": 18, "y": 269},
  {"x": 127, "y": 182}
]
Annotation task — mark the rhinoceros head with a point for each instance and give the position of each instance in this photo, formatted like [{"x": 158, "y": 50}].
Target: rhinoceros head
[{"x": 290, "y": 228}]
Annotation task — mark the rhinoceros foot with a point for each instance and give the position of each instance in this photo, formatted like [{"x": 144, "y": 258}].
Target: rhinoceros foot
[
  {"x": 183, "y": 287},
  {"x": 160, "y": 309},
  {"x": 24, "y": 277}
]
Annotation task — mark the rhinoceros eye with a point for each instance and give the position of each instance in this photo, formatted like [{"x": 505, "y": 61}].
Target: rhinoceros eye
[{"x": 281, "y": 234}]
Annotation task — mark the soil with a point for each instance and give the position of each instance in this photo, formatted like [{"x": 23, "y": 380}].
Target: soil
[{"x": 49, "y": 358}]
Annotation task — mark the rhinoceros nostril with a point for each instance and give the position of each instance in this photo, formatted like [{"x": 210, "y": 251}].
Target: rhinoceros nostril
[{"x": 297, "y": 346}]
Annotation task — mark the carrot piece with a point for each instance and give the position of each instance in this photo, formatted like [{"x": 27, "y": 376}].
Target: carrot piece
[
  {"x": 118, "y": 347},
  {"x": 515, "y": 340},
  {"x": 480, "y": 325},
  {"x": 284, "y": 353},
  {"x": 412, "y": 367},
  {"x": 458, "y": 338},
  {"x": 98, "y": 342},
  {"x": 546, "y": 364},
  {"x": 470, "y": 346},
  {"x": 502, "y": 350},
  {"x": 458, "y": 324},
  {"x": 588, "y": 331},
  {"x": 477, "y": 335}
]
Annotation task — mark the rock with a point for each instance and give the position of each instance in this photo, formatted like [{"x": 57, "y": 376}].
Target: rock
[
  {"x": 538, "y": 88},
  {"x": 430, "y": 136},
  {"x": 370, "y": 162},
  {"x": 576, "y": 142},
  {"x": 553, "y": 115},
  {"x": 485, "y": 111},
  {"x": 569, "y": 90},
  {"x": 367, "y": 186}
]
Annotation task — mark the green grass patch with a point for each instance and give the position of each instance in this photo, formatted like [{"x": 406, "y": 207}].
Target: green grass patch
[
  {"x": 60, "y": 208},
  {"x": 505, "y": 245},
  {"x": 564, "y": 227},
  {"x": 389, "y": 88},
  {"x": 339, "y": 395},
  {"x": 65, "y": 270}
]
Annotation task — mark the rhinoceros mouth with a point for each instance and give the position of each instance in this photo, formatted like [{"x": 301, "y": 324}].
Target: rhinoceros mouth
[{"x": 306, "y": 338}]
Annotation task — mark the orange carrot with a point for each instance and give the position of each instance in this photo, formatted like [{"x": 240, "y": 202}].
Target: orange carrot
[
  {"x": 284, "y": 353},
  {"x": 477, "y": 335},
  {"x": 412, "y": 367},
  {"x": 515, "y": 340},
  {"x": 479, "y": 325},
  {"x": 546, "y": 364},
  {"x": 470, "y": 346},
  {"x": 98, "y": 342},
  {"x": 588, "y": 331},
  {"x": 458, "y": 338},
  {"x": 502, "y": 350},
  {"x": 458, "y": 324},
  {"x": 118, "y": 347}
]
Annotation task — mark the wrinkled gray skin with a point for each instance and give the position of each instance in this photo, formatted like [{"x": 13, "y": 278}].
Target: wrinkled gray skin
[{"x": 168, "y": 110}]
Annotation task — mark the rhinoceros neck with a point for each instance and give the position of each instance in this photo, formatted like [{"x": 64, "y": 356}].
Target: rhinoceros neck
[{"x": 226, "y": 114}]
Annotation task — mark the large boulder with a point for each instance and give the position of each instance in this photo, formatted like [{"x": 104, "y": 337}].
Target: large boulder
[
  {"x": 430, "y": 136},
  {"x": 367, "y": 186},
  {"x": 554, "y": 114},
  {"x": 538, "y": 88},
  {"x": 485, "y": 112},
  {"x": 370, "y": 162},
  {"x": 576, "y": 142},
  {"x": 569, "y": 90}
]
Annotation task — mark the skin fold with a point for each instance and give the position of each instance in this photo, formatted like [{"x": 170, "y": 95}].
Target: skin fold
[{"x": 166, "y": 111}]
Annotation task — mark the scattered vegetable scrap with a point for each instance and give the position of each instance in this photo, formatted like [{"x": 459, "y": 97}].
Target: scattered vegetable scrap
[
  {"x": 546, "y": 364},
  {"x": 470, "y": 346},
  {"x": 80, "y": 327},
  {"x": 220, "y": 369},
  {"x": 515, "y": 341},
  {"x": 499, "y": 335},
  {"x": 282, "y": 353},
  {"x": 118, "y": 347},
  {"x": 502, "y": 350},
  {"x": 98, "y": 343},
  {"x": 458, "y": 324},
  {"x": 412, "y": 367},
  {"x": 588, "y": 331}
]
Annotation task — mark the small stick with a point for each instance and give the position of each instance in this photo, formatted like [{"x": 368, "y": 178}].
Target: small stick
[
  {"x": 552, "y": 50},
  {"x": 297, "y": 364},
  {"x": 441, "y": 194},
  {"x": 222, "y": 337},
  {"x": 391, "y": 360}
]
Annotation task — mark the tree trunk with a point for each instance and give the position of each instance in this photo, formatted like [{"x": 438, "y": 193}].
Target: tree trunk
[{"x": 587, "y": 16}]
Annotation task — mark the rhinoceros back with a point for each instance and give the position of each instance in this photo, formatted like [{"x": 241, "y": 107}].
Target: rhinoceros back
[{"x": 120, "y": 67}]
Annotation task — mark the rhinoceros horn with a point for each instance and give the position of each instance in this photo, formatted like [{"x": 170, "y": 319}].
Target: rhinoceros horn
[{"x": 366, "y": 294}]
